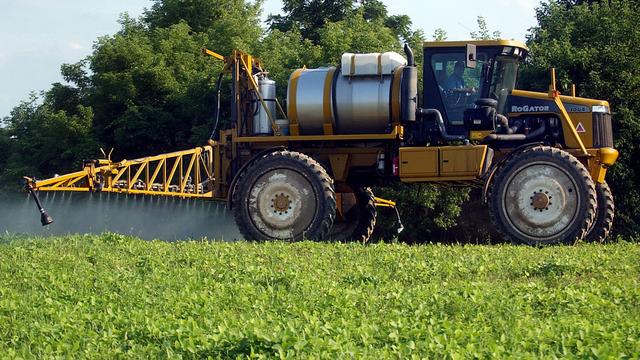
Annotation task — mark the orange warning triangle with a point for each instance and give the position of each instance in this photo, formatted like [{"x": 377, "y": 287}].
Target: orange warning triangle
[{"x": 580, "y": 128}]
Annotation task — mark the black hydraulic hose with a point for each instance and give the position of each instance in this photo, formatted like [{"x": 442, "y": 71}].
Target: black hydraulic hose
[
  {"x": 504, "y": 122},
  {"x": 409, "y": 52},
  {"x": 515, "y": 128},
  {"x": 215, "y": 126},
  {"x": 538, "y": 132},
  {"x": 441, "y": 126}
]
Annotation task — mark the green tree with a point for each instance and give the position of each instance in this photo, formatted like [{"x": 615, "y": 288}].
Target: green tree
[
  {"x": 439, "y": 34},
  {"x": 41, "y": 141},
  {"x": 375, "y": 10},
  {"x": 229, "y": 24},
  {"x": 595, "y": 45},
  {"x": 151, "y": 90},
  {"x": 357, "y": 35},
  {"x": 309, "y": 16},
  {"x": 483, "y": 32}
]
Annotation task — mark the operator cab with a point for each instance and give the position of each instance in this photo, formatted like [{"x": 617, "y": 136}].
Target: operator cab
[{"x": 452, "y": 87}]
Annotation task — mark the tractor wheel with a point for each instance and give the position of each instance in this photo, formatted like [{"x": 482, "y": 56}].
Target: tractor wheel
[
  {"x": 543, "y": 196},
  {"x": 357, "y": 223},
  {"x": 284, "y": 195},
  {"x": 604, "y": 215}
]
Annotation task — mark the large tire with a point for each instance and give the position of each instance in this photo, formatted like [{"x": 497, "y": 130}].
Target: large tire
[
  {"x": 284, "y": 195},
  {"x": 543, "y": 196},
  {"x": 359, "y": 221},
  {"x": 601, "y": 227}
]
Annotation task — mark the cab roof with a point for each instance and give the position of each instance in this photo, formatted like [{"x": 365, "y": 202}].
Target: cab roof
[{"x": 479, "y": 43}]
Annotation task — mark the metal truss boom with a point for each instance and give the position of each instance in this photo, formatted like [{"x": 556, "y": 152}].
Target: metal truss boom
[{"x": 187, "y": 174}]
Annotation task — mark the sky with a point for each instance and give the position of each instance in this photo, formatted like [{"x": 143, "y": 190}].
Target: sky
[{"x": 37, "y": 36}]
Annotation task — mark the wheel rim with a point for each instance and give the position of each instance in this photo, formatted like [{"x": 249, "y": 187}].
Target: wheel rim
[
  {"x": 541, "y": 200},
  {"x": 282, "y": 204}
]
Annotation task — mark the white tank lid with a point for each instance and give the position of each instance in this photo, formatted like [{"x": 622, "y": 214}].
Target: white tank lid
[{"x": 371, "y": 64}]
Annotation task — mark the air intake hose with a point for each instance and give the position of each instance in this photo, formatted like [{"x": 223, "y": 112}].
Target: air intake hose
[{"x": 441, "y": 126}]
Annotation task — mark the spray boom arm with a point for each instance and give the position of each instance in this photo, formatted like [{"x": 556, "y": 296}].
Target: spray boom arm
[{"x": 186, "y": 174}]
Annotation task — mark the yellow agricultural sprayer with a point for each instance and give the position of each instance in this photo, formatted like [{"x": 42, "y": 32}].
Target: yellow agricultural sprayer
[{"x": 540, "y": 157}]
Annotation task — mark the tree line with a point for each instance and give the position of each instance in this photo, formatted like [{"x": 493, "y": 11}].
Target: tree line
[{"x": 147, "y": 89}]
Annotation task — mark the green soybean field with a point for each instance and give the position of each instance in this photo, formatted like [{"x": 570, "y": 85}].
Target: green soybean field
[{"x": 112, "y": 296}]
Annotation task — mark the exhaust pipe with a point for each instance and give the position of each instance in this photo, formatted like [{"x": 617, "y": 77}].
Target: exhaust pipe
[
  {"x": 45, "y": 219},
  {"x": 409, "y": 87},
  {"x": 409, "y": 53}
]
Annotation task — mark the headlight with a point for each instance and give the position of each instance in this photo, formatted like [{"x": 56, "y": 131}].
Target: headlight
[{"x": 600, "y": 109}]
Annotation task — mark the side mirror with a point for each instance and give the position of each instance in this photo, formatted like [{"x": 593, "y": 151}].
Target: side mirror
[{"x": 471, "y": 58}]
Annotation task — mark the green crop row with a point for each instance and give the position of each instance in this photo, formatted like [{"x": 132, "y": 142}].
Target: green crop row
[{"x": 112, "y": 296}]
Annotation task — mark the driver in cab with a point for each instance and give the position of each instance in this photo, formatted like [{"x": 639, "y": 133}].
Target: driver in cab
[{"x": 455, "y": 80}]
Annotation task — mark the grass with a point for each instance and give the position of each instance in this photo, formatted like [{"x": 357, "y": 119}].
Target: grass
[{"x": 112, "y": 296}]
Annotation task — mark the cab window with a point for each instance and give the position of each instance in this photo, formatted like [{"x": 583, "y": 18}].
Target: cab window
[
  {"x": 503, "y": 81},
  {"x": 459, "y": 86}
]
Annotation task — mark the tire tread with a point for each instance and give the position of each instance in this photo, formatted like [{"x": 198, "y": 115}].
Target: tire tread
[
  {"x": 327, "y": 195},
  {"x": 558, "y": 154}
]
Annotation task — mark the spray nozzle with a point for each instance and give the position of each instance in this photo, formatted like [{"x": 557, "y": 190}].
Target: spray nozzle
[{"x": 45, "y": 219}]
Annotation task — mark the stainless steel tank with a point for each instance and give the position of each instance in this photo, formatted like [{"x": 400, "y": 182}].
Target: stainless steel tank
[
  {"x": 352, "y": 104},
  {"x": 261, "y": 123}
]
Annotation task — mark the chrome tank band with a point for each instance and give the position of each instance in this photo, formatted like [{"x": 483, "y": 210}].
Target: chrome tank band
[{"x": 309, "y": 100}]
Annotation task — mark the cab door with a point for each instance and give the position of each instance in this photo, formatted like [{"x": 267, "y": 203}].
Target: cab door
[{"x": 450, "y": 86}]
